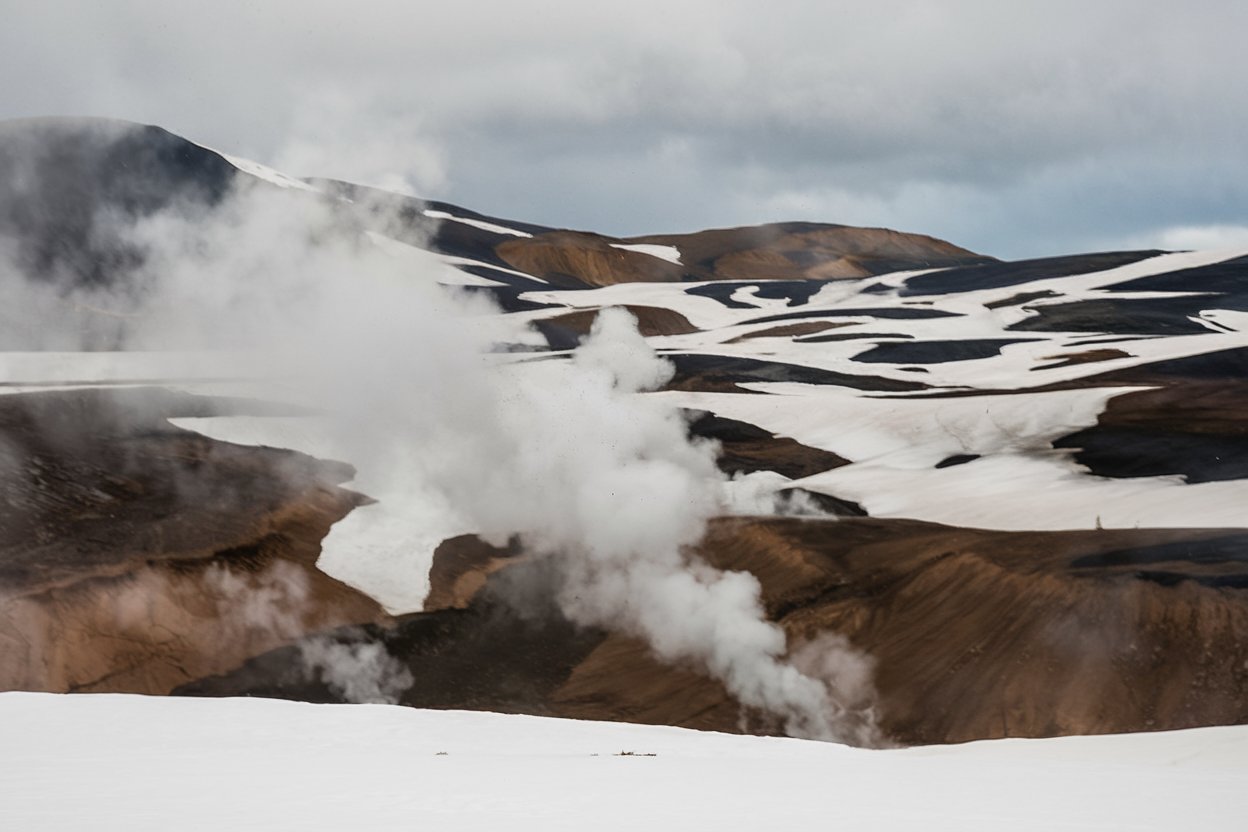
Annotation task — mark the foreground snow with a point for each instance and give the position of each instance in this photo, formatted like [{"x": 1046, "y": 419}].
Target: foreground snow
[{"x": 129, "y": 762}]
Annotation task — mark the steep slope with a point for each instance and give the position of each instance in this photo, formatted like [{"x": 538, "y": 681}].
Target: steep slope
[
  {"x": 973, "y": 634},
  {"x": 135, "y": 556},
  {"x": 68, "y": 185}
]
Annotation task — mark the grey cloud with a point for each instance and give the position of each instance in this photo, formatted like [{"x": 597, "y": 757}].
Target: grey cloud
[{"x": 648, "y": 116}]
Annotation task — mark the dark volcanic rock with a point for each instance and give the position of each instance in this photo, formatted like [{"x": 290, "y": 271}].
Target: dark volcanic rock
[
  {"x": 1230, "y": 277},
  {"x": 1194, "y": 429},
  {"x": 1062, "y": 632},
  {"x": 1132, "y": 316},
  {"x": 68, "y": 185},
  {"x": 485, "y": 656},
  {"x": 850, "y": 336},
  {"x": 997, "y": 275},
  {"x": 796, "y": 292},
  {"x": 934, "y": 352},
  {"x": 135, "y": 556},
  {"x": 745, "y": 449},
  {"x": 896, "y": 312},
  {"x": 718, "y": 372},
  {"x": 564, "y": 332},
  {"x": 956, "y": 459}
]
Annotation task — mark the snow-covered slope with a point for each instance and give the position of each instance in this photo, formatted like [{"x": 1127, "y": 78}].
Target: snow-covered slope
[
  {"x": 1042, "y": 459},
  {"x": 132, "y": 763}
]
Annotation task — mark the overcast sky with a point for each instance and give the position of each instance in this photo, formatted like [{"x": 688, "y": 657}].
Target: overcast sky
[{"x": 1012, "y": 128}]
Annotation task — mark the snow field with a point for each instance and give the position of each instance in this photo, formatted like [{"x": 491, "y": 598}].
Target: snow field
[{"x": 134, "y": 763}]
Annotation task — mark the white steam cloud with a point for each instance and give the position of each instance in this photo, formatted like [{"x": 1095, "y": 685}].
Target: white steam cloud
[
  {"x": 566, "y": 454},
  {"x": 608, "y": 485},
  {"x": 362, "y": 671}
]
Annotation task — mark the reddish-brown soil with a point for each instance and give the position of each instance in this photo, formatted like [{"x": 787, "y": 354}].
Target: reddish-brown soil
[
  {"x": 982, "y": 634},
  {"x": 784, "y": 251},
  {"x": 569, "y": 258},
  {"x": 974, "y": 634},
  {"x": 461, "y": 566},
  {"x": 144, "y": 558},
  {"x": 135, "y": 556},
  {"x": 651, "y": 320},
  {"x": 791, "y": 251}
]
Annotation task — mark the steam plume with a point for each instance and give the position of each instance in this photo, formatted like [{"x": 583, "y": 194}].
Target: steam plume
[{"x": 602, "y": 481}]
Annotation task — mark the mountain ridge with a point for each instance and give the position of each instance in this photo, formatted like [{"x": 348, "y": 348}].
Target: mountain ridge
[{"x": 1035, "y": 466}]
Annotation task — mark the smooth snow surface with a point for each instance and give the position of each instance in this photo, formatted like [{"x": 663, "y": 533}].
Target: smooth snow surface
[{"x": 114, "y": 762}]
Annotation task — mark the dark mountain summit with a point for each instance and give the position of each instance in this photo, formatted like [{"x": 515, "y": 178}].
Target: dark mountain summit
[{"x": 68, "y": 185}]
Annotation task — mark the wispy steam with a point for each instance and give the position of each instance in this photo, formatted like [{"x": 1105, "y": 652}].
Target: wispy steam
[
  {"x": 565, "y": 454},
  {"x": 607, "y": 484},
  {"x": 358, "y": 671}
]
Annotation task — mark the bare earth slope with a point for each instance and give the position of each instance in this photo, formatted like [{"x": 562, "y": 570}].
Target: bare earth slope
[
  {"x": 974, "y": 634},
  {"x": 135, "y": 556}
]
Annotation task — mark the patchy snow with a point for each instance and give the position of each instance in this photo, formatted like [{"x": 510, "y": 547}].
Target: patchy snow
[
  {"x": 1015, "y": 492},
  {"x": 1019, "y": 483},
  {"x": 843, "y": 302},
  {"x": 749, "y": 294},
  {"x": 896, "y": 280},
  {"x": 893, "y": 442},
  {"x": 482, "y": 224},
  {"x": 669, "y": 253},
  {"x": 138, "y": 763},
  {"x": 907, "y": 433},
  {"x": 702, "y": 312},
  {"x": 1011, "y": 369},
  {"x": 1086, "y": 286}
]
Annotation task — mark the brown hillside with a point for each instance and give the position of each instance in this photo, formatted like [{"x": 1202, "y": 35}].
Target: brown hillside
[
  {"x": 571, "y": 258},
  {"x": 974, "y": 634},
  {"x": 794, "y": 251},
  {"x": 782, "y": 251},
  {"x": 135, "y": 556}
]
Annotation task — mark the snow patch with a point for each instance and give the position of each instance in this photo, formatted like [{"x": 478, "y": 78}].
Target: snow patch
[
  {"x": 384, "y": 549},
  {"x": 669, "y": 253},
  {"x": 482, "y": 224}
]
